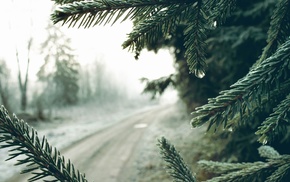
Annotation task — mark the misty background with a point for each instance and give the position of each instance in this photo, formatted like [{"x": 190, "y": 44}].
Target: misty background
[
  {"x": 67, "y": 82},
  {"x": 95, "y": 66}
]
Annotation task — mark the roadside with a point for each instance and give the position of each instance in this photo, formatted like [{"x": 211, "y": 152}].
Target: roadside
[
  {"x": 72, "y": 124},
  {"x": 125, "y": 150}
]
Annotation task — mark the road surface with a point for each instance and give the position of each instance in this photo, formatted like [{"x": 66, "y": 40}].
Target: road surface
[{"x": 104, "y": 156}]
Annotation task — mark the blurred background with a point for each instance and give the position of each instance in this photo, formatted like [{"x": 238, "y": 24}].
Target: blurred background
[
  {"x": 76, "y": 79},
  {"x": 70, "y": 82},
  {"x": 45, "y": 65}
]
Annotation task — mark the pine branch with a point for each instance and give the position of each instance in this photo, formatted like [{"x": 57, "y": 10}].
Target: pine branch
[
  {"x": 276, "y": 123},
  {"x": 41, "y": 159},
  {"x": 195, "y": 40},
  {"x": 260, "y": 80},
  {"x": 147, "y": 31},
  {"x": 153, "y": 18},
  {"x": 282, "y": 173},
  {"x": 276, "y": 168},
  {"x": 244, "y": 112},
  {"x": 219, "y": 168},
  {"x": 158, "y": 86},
  {"x": 279, "y": 162},
  {"x": 268, "y": 152},
  {"x": 175, "y": 164},
  {"x": 91, "y": 13},
  {"x": 220, "y": 10},
  {"x": 65, "y": 1},
  {"x": 279, "y": 29},
  {"x": 246, "y": 174}
]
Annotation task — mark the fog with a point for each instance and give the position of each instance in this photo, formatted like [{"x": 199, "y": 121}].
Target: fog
[
  {"x": 24, "y": 19},
  {"x": 79, "y": 81}
]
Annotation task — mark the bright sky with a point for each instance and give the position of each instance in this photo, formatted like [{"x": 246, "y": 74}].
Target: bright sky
[{"x": 22, "y": 18}]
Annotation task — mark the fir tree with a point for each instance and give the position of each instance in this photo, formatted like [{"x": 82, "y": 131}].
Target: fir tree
[
  {"x": 60, "y": 71},
  {"x": 264, "y": 89}
]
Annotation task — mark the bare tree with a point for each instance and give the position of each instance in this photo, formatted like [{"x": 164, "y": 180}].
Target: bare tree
[{"x": 23, "y": 83}]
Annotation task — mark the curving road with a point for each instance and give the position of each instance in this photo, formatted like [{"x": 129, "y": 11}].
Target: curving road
[{"x": 104, "y": 156}]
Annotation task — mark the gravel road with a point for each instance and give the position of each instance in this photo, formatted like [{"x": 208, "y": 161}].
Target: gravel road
[{"x": 105, "y": 155}]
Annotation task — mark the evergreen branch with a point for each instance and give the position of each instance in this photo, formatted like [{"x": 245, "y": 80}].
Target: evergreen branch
[
  {"x": 268, "y": 152},
  {"x": 220, "y": 10},
  {"x": 282, "y": 171},
  {"x": 250, "y": 88},
  {"x": 195, "y": 40},
  {"x": 91, "y": 13},
  {"x": 247, "y": 174},
  {"x": 247, "y": 110},
  {"x": 278, "y": 120},
  {"x": 158, "y": 86},
  {"x": 41, "y": 159},
  {"x": 219, "y": 168},
  {"x": 279, "y": 28},
  {"x": 147, "y": 31},
  {"x": 65, "y": 1},
  {"x": 175, "y": 164},
  {"x": 276, "y": 168}
]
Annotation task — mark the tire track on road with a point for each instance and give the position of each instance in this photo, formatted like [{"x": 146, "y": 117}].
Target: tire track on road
[{"x": 103, "y": 155}]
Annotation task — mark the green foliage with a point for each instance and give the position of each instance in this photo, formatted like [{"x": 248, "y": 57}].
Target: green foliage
[
  {"x": 279, "y": 29},
  {"x": 263, "y": 92},
  {"x": 244, "y": 33},
  {"x": 158, "y": 86},
  {"x": 40, "y": 159},
  {"x": 184, "y": 26},
  {"x": 275, "y": 168},
  {"x": 195, "y": 39},
  {"x": 250, "y": 93},
  {"x": 175, "y": 164},
  {"x": 154, "y": 18},
  {"x": 276, "y": 124},
  {"x": 259, "y": 93}
]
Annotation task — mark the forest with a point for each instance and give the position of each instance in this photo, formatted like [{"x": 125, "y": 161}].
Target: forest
[
  {"x": 231, "y": 61},
  {"x": 47, "y": 72}
]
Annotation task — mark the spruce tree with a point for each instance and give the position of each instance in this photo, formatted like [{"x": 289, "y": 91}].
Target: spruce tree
[
  {"x": 264, "y": 90},
  {"x": 60, "y": 70}
]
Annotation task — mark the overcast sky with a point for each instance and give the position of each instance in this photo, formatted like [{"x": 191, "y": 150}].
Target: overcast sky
[{"x": 22, "y": 18}]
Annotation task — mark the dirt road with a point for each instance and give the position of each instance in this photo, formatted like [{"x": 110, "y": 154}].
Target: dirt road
[{"x": 104, "y": 156}]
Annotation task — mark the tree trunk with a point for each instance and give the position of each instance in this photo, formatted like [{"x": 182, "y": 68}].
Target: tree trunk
[
  {"x": 23, "y": 100},
  {"x": 23, "y": 85}
]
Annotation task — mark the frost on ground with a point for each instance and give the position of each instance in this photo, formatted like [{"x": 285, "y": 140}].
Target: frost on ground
[
  {"x": 74, "y": 123},
  {"x": 145, "y": 163},
  {"x": 175, "y": 126}
]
